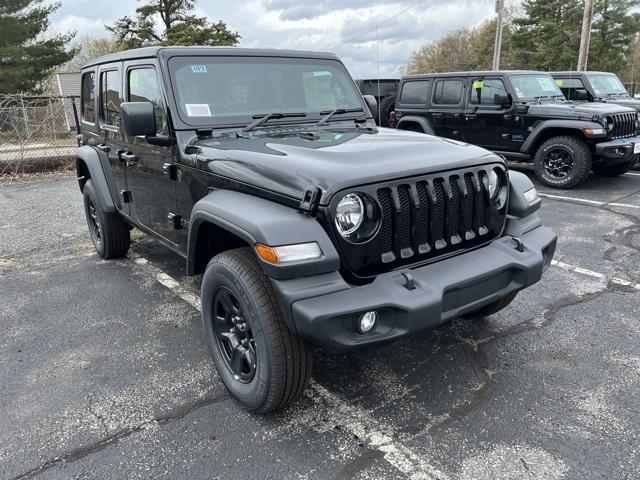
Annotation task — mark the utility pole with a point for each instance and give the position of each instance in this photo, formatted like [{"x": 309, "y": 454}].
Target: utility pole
[
  {"x": 585, "y": 37},
  {"x": 497, "y": 46}
]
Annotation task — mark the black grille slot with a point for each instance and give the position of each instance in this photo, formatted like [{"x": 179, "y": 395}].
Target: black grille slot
[
  {"x": 453, "y": 214},
  {"x": 404, "y": 231},
  {"x": 386, "y": 229},
  {"x": 439, "y": 212},
  {"x": 624, "y": 125},
  {"x": 467, "y": 205},
  {"x": 422, "y": 226}
]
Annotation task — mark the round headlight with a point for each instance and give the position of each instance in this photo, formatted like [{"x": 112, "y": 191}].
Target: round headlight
[
  {"x": 349, "y": 214},
  {"x": 494, "y": 183},
  {"x": 609, "y": 125}
]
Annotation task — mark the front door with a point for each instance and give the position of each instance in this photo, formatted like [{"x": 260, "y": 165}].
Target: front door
[
  {"x": 445, "y": 113},
  {"x": 487, "y": 117},
  {"x": 153, "y": 192}
]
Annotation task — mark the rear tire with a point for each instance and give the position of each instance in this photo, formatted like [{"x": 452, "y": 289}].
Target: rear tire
[
  {"x": 387, "y": 106},
  {"x": 492, "y": 308},
  {"x": 242, "y": 318},
  {"x": 615, "y": 170},
  {"x": 109, "y": 232},
  {"x": 562, "y": 162}
]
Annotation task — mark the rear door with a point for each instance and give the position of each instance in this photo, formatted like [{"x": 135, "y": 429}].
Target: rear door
[
  {"x": 445, "y": 113},
  {"x": 110, "y": 138},
  {"x": 487, "y": 122},
  {"x": 153, "y": 192},
  {"x": 413, "y": 97}
]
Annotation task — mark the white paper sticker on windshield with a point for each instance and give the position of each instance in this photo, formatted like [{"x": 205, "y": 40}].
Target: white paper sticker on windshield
[
  {"x": 199, "y": 68},
  {"x": 197, "y": 109}
]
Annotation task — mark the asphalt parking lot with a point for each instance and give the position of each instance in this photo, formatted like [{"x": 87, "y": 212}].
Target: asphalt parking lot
[{"x": 104, "y": 372}]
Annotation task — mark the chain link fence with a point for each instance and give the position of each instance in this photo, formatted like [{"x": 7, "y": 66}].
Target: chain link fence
[{"x": 36, "y": 133}]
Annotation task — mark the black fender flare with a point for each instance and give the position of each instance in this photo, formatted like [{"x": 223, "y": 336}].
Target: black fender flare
[
  {"x": 256, "y": 220},
  {"x": 423, "y": 122},
  {"x": 540, "y": 127},
  {"x": 97, "y": 164}
]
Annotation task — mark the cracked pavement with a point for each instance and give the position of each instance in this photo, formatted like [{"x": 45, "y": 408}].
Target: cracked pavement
[{"x": 104, "y": 372}]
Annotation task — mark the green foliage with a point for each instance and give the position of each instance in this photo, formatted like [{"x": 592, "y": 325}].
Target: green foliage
[
  {"x": 170, "y": 22},
  {"x": 26, "y": 57}
]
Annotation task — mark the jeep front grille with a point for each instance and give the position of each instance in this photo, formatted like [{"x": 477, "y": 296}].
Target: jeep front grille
[
  {"x": 425, "y": 218},
  {"x": 624, "y": 125}
]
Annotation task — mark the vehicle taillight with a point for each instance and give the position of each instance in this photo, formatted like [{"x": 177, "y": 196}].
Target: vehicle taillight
[{"x": 393, "y": 118}]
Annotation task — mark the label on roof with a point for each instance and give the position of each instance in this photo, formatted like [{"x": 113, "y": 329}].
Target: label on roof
[
  {"x": 199, "y": 68},
  {"x": 198, "y": 109}
]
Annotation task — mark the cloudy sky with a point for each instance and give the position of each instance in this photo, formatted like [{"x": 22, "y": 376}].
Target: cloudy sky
[{"x": 327, "y": 25}]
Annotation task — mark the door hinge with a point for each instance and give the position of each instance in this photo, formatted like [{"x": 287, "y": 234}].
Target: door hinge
[
  {"x": 170, "y": 170},
  {"x": 310, "y": 200},
  {"x": 177, "y": 221},
  {"x": 126, "y": 196}
]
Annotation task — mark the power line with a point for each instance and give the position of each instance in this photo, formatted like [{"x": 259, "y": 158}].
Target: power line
[{"x": 350, "y": 39}]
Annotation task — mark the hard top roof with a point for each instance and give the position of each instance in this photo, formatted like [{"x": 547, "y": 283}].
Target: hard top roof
[
  {"x": 471, "y": 73},
  {"x": 153, "y": 52},
  {"x": 576, "y": 74}
]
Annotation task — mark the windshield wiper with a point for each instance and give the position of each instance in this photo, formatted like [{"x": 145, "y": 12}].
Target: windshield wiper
[
  {"x": 336, "y": 111},
  {"x": 269, "y": 116}
]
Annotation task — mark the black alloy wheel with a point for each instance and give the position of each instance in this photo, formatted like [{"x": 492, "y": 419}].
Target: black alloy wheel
[
  {"x": 94, "y": 222},
  {"x": 233, "y": 335},
  {"x": 559, "y": 162}
]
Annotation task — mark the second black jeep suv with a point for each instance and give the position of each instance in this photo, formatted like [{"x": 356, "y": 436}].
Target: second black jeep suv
[
  {"x": 601, "y": 87},
  {"x": 523, "y": 116}
]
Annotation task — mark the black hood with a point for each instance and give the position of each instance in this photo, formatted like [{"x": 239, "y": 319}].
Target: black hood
[
  {"x": 576, "y": 111},
  {"x": 289, "y": 162},
  {"x": 627, "y": 102}
]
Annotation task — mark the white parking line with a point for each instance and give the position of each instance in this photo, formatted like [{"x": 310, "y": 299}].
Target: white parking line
[
  {"x": 598, "y": 275},
  {"x": 588, "y": 202}
]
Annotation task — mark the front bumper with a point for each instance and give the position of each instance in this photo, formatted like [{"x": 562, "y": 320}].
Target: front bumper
[
  {"x": 616, "y": 152},
  {"x": 443, "y": 290}
]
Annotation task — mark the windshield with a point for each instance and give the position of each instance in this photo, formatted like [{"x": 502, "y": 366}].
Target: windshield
[
  {"x": 606, "y": 85},
  {"x": 532, "y": 87},
  {"x": 217, "y": 90}
]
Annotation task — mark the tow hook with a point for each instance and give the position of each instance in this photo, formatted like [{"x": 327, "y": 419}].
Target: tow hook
[
  {"x": 519, "y": 244},
  {"x": 409, "y": 282}
]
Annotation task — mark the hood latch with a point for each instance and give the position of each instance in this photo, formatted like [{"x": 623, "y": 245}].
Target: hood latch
[{"x": 310, "y": 200}]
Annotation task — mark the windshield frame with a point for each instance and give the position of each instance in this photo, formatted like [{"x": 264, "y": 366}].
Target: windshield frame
[
  {"x": 525, "y": 99},
  {"x": 590, "y": 76},
  {"x": 184, "y": 122}
]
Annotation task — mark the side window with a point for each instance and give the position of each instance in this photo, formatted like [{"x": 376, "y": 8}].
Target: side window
[
  {"x": 110, "y": 98},
  {"x": 88, "y": 107},
  {"x": 448, "y": 92},
  {"x": 414, "y": 93},
  {"x": 144, "y": 87},
  {"x": 569, "y": 86},
  {"x": 485, "y": 91}
]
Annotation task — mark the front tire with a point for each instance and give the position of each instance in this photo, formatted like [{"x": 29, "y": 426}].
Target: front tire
[
  {"x": 615, "y": 170},
  {"x": 262, "y": 363},
  {"x": 562, "y": 162},
  {"x": 109, "y": 232}
]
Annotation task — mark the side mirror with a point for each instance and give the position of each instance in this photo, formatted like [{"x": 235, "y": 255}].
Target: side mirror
[
  {"x": 138, "y": 119},
  {"x": 502, "y": 100},
  {"x": 579, "y": 95},
  {"x": 372, "y": 103}
]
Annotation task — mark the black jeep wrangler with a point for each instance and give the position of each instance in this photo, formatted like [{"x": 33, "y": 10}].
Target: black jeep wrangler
[
  {"x": 523, "y": 116},
  {"x": 265, "y": 171},
  {"x": 602, "y": 87},
  {"x": 384, "y": 90}
]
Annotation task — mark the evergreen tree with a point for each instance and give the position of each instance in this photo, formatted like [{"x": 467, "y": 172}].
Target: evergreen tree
[
  {"x": 547, "y": 37},
  {"x": 612, "y": 35},
  {"x": 26, "y": 58},
  {"x": 170, "y": 22}
]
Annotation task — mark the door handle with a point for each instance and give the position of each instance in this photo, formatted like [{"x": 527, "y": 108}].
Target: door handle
[
  {"x": 129, "y": 158},
  {"x": 104, "y": 148},
  {"x": 469, "y": 116},
  {"x": 436, "y": 114}
]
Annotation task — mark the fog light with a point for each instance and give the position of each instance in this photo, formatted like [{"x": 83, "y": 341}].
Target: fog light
[{"x": 367, "y": 321}]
